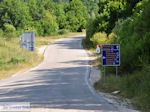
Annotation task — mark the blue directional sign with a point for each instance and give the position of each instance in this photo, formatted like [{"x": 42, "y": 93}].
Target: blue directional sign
[{"x": 111, "y": 55}]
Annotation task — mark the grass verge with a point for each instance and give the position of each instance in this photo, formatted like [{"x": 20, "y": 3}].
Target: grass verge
[{"x": 135, "y": 86}]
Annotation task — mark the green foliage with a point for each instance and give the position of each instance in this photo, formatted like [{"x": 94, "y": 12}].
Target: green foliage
[
  {"x": 45, "y": 17},
  {"x": 49, "y": 24},
  {"x": 9, "y": 30},
  {"x": 14, "y": 12},
  {"x": 36, "y": 9},
  {"x": 11, "y": 55},
  {"x": 61, "y": 15},
  {"x": 135, "y": 86},
  {"x": 99, "y": 38},
  {"x": 76, "y": 16},
  {"x": 109, "y": 13},
  {"x": 131, "y": 5},
  {"x": 91, "y": 7},
  {"x": 133, "y": 36},
  {"x": 90, "y": 29},
  {"x": 139, "y": 7}
]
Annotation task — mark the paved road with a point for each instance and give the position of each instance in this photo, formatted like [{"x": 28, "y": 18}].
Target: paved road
[{"x": 60, "y": 81}]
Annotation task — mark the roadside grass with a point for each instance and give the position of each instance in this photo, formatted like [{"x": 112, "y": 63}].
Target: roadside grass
[
  {"x": 13, "y": 58},
  {"x": 95, "y": 60},
  {"x": 135, "y": 86}
]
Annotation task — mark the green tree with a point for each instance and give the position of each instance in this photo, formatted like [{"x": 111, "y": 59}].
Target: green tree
[
  {"x": 76, "y": 16},
  {"x": 109, "y": 12},
  {"x": 36, "y": 9},
  {"x": 49, "y": 24},
  {"x": 61, "y": 15},
  {"x": 14, "y": 12},
  {"x": 133, "y": 36},
  {"x": 91, "y": 7}
]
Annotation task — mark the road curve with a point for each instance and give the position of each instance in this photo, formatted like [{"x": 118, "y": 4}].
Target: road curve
[{"x": 60, "y": 81}]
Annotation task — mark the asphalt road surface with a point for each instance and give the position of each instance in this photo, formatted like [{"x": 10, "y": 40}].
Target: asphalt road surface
[{"x": 59, "y": 82}]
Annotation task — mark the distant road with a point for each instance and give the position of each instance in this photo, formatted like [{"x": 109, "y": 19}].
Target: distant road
[{"x": 60, "y": 81}]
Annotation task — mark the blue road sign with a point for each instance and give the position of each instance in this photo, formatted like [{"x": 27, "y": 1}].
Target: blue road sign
[{"x": 111, "y": 55}]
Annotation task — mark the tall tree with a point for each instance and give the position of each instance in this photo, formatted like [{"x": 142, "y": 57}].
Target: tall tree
[
  {"x": 76, "y": 16},
  {"x": 14, "y": 12}
]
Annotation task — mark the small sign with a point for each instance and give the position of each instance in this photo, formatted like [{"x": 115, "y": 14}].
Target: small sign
[
  {"x": 98, "y": 49},
  {"x": 111, "y": 55},
  {"x": 27, "y": 41}
]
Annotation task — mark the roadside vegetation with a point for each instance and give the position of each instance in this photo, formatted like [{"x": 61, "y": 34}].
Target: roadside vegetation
[
  {"x": 12, "y": 58},
  {"x": 126, "y": 23}
]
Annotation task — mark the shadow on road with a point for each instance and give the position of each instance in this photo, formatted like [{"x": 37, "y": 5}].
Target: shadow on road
[{"x": 53, "y": 88}]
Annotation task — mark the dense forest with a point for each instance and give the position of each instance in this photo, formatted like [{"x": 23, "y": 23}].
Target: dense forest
[
  {"x": 125, "y": 22},
  {"x": 44, "y": 17}
]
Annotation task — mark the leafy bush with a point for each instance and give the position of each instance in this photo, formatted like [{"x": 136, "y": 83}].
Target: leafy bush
[
  {"x": 111, "y": 38},
  {"x": 10, "y": 30},
  {"x": 49, "y": 24},
  {"x": 99, "y": 38},
  {"x": 102, "y": 38}
]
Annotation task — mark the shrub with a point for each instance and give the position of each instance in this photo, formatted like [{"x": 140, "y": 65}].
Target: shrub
[
  {"x": 99, "y": 38},
  {"x": 9, "y": 31},
  {"x": 49, "y": 24},
  {"x": 102, "y": 38}
]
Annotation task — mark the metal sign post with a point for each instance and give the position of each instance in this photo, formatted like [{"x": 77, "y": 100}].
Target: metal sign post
[
  {"x": 104, "y": 73},
  {"x": 116, "y": 71},
  {"x": 111, "y": 56}
]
